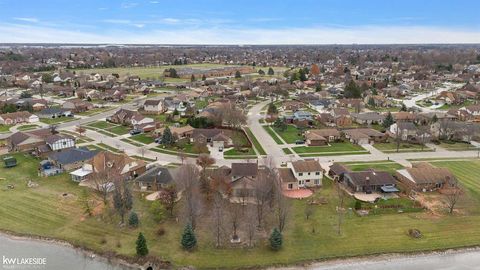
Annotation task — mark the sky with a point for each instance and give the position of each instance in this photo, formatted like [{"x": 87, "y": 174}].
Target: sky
[{"x": 240, "y": 21}]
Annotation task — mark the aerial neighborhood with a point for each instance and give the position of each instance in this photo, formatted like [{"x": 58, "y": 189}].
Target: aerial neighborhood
[{"x": 253, "y": 152}]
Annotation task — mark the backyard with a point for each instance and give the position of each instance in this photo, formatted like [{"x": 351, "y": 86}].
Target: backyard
[{"x": 45, "y": 211}]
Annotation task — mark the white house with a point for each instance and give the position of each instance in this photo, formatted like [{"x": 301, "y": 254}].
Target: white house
[
  {"x": 308, "y": 173},
  {"x": 58, "y": 142},
  {"x": 153, "y": 106}
]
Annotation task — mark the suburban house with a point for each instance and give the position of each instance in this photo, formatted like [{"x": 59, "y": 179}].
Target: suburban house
[
  {"x": 72, "y": 158},
  {"x": 424, "y": 177},
  {"x": 243, "y": 177},
  {"x": 370, "y": 181},
  {"x": 368, "y": 118},
  {"x": 18, "y": 118},
  {"x": 110, "y": 166},
  {"x": 407, "y": 131},
  {"x": 306, "y": 173},
  {"x": 53, "y": 113},
  {"x": 77, "y": 105},
  {"x": 179, "y": 132},
  {"x": 215, "y": 137},
  {"x": 154, "y": 106},
  {"x": 39, "y": 142},
  {"x": 154, "y": 179},
  {"x": 317, "y": 137},
  {"x": 130, "y": 118},
  {"x": 364, "y": 135},
  {"x": 337, "y": 171}
]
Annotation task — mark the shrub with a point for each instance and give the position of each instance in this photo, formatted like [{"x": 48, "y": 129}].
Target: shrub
[
  {"x": 276, "y": 240},
  {"x": 133, "y": 220},
  {"x": 142, "y": 249},
  {"x": 358, "y": 205},
  {"x": 160, "y": 231},
  {"x": 158, "y": 211},
  {"x": 189, "y": 241}
]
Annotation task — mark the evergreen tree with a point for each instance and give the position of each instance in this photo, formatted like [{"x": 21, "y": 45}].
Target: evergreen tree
[
  {"x": 318, "y": 87},
  {"x": 302, "y": 75},
  {"x": 279, "y": 124},
  {"x": 261, "y": 72},
  {"x": 189, "y": 241},
  {"x": 204, "y": 77},
  {"x": 276, "y": 240},
  {"x": 192, "y": 79},
  {"x": 404, "y": 108},
  {"x": 142, "y": 249},
  {"x": 167, "y": 137},
  {"x": 434, "y": 118},
  {"x": 272, "y": 109},
  {"x": 388, "y": 120},
  {"x": 238, "y": 74},
  {"x": 133, "y": 220},
  {"x": 374, "y": 91},
  {"x": 270, "y": 71},
  {"x": 352, "y": 90},
  {"x": 371, "y": 102}
]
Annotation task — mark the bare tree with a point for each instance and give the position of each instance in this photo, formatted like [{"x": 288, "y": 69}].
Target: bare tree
[
  {"x": 282, "y": 205},
  {"x": 250, "y": 227},
  {"x": 81, "y": 130},
  {"x": 182, "y": 156},
  {"x": 309, "y": 210},
  {"x": 187, "y": 180},
  {"x": 102, "y": 183},
  {"x": 218, "y": 215},
  {"x": 235, "y": 214},
  {"x": 168, "y": 198},
  {"x": 263, "y": 192},
  {"x": 453, "y": 193}
]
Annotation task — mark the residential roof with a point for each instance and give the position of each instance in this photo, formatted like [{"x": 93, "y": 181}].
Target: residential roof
[
  {"x": 286, "y": 175},
  {"x": 338, "y": 169},
  {"x": 425, "y": 173},
  {"x": 156, "y": 174},
  {"x": 371, "y": 177},
  {"x": 72, "y": 155},
  {"x": 306, "y": 166},
  {"x": 244, "y": 169}
]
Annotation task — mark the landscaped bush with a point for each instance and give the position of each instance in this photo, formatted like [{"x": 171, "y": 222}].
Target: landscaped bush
[
  {"x": 133, "y": 220},
  {"x": 358, "y": 205}
]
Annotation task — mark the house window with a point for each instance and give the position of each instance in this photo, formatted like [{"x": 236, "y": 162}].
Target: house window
[
  {"x": 317, "y": 181},
  {"x": 317, "y": 173},
  {"x": 300, "y": 174},
  {"x": 308, "y": 181},
  {"x": 308, "y": 173},
  {"x": 290, "y": 186},
  {"x": 64, "y": 143}
]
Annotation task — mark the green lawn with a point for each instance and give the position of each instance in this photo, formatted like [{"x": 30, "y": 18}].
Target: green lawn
[
  {"x": 45, "y": 212},
  {"x": 391, "y": 147},
  {"x": 457, "y": 146},
  {"x": 342, "y": 148},
  {"x": 101, "y": 125},
  {"x": 109, "y": 148},
  {"x": 119, "y": 130},
  {"x": 235, "y": 152},
  {"x": 94, "y": 111},
  {"x": 273, "y": 134},
  {"x": 390, "y": 167},
  {"x": 58, "y": 120},
  {"x": 27, "y": 127},
  {"x": 143, "y": 138},
  {"x": 131, "y": 142},
  {"x": 287, "y": 151},
  {"x": 255, "y": 142},
  {"x": 5, "y": 128},
  {"x": 290, "y": 135}
]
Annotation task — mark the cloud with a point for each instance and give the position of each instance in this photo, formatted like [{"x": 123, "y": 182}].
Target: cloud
[
  {"x": 19, "y": 33},
  {"x": 24, "y": 19},
  {"x": 117, "y": 21},
  {"x": 128, "y": 4}
]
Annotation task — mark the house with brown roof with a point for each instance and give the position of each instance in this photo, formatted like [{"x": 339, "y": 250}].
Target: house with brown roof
[
  {"x": 370, "y": 181},
  {"x": 18, "y": 118},
  {"x": 214, "y": 136},
  {"x": 39, "y": 142},
  {"x": 77, "y": 105},
  {"x": 364, "y": 135},
  {"x": 114, "y": 167},
  {"x": 131, "y": 118},
  {"x": 178, "y": 132},
  {"x": 424, "y": 177},
  {"x": 317, "y": 137},
  {"x": 337, "y": 171},
  {"x": 154, "y": 106},
  {"x": 307, "y": 173}
]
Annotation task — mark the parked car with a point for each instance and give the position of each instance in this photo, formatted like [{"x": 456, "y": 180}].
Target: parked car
[
  {"x": 158, "y": 140},
  {"x": 299, "y": 142},
  {"x": 135, "y": 131}
]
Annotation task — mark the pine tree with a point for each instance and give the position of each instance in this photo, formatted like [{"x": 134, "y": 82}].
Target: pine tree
[
  {"x": 404, "y": 108},
  {"x": 192, "y": 79},
  {"x": 133, "y": 220},
  {"x": 204, "y": 77},
  {"x": 318, "y": 87},
  {"x": 167, "y": 137},
  {"x": 238, "y": 74},
  {"x": 272, "y": 109},
  {"x": 261, "y": 72},
  {"x": 388, "y": 120},
  {"x": 352, "y": 90},
  {"x": 142, "y": 249},
  {"x": 270, "y": 71},
  {"x": 371, "y": 102},
  {"x": 276, "y": 240},
  {"x": 189, "y": 241}
]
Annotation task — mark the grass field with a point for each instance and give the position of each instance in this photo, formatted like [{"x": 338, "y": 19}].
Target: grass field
[
  {"x": 58, "y": 120},
  {"x": 457, "y": 146},
  {"x": 390, "y": 167},
  {"x": 342, "y": 148},
  {"x": 148, "y": 72},
  {"x": 290, "y": 135},
  {"x": 287, "y": 151},
  {"x": 273, "y": 134},
  {"x": 27, "y": 127},
  {"x": 142, "y": 138},
  {"x": 5, "y": 128},
  {"x": 44, "y": 211},
  {"x": 391, "y": 147},
  {"x": 94, "y": 111}
]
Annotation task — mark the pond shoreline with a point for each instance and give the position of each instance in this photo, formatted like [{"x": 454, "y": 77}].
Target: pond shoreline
[{"x": 131, "y": 262}]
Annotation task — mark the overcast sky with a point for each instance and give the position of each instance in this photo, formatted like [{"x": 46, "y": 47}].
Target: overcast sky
[{"x": 240, "y": 21}]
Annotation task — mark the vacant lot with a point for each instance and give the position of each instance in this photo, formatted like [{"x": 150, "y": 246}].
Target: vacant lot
[{"x": 46, "y": 212}]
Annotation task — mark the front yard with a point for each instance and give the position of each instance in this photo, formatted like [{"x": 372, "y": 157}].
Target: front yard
[
  {"x": 391, "y": 147},
  {"x": 58, "y": 120},
  {"x": 289, "y": 135},
  {"x": 336, "y": 148}
]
